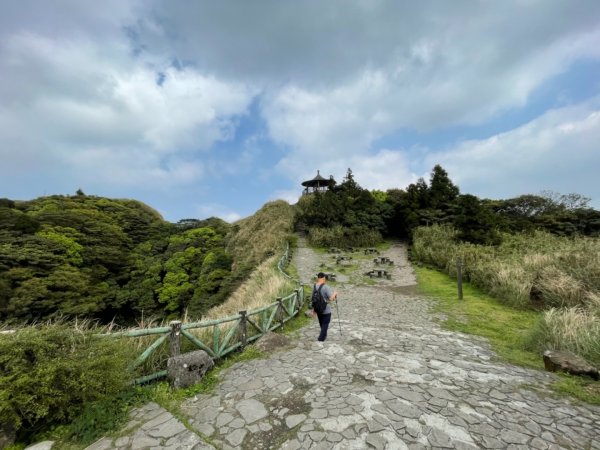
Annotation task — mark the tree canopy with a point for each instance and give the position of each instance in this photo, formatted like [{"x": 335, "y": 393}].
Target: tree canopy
[{"x": 103, "y": 258}]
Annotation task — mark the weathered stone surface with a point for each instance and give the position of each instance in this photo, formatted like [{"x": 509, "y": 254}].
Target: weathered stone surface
[
  {"x": 555, "y": 360},
  {"x": 292, "y": 421},
  {"x": 272, "y": 341},
  {"x": 102, "y": 444},
  {"x": 189, "y": 368},
  {"x": 251, "y": 410},
  {"x": 44, "y": 445},
  {"x": 236, "y": 437},
  {"x": 167, "y": 429}
]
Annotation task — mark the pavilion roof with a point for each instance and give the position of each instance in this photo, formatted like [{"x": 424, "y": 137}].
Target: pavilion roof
[{"x": 318, "y": 180}]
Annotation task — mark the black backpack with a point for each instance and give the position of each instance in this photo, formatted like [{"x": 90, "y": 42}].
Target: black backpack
[{"x": 318, "y": 303}]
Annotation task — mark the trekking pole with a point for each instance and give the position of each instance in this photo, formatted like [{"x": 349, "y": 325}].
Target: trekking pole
[{"x": 338, "y": 311}]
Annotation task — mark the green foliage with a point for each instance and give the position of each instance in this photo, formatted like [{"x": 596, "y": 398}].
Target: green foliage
[
  {"x": 530, "y": 270},
  {"x": 107, "y": 259},
  {"x": 104, "y": 415},
  {"x": 344, "y": 215},
  {"x": 49, "y": 372},
  {"x": 475, "y": 222},
  {"x": 526, "y": 269},
  {"x": 260, "y": 236}
]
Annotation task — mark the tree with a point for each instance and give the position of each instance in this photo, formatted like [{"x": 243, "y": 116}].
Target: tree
[
  {"x": 442, "y": 192},
  {"x": 475, "y": 222}
]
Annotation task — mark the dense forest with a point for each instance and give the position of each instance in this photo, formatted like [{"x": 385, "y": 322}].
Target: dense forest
[
  {"x": 348, "y": 214},
  {"x": 110, "y": 260}
]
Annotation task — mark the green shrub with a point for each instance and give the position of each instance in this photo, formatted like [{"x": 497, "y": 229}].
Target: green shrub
[
  {"x": 572, "y": 329},
  {"x": 528, "y": 268},
  {"x": 338, "y": 236},
  {"x": 49, "y": 372}
]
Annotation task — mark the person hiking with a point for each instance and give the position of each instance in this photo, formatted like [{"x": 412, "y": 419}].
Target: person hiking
[{"x": 328, "y": 295}]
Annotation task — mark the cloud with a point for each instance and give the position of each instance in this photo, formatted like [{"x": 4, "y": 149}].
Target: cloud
[
  {"x": 557, "y": 151},
  {"x": 217, "y": 210},
  {"x": 96, "y": 109}
]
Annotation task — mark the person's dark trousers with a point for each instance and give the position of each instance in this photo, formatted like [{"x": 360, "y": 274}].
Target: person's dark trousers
[{"x": 324, "y": 320}]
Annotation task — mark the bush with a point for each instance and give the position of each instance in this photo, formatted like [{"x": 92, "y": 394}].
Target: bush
[
  {"x": 572, "y": 329},
  {"x": 526, "y": 269},
  {"x": 339, "y": 236},
  {"x": 49, "y": 372}
]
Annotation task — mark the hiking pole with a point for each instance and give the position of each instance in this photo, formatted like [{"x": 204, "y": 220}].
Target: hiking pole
[{"x": 338, "y": 311}]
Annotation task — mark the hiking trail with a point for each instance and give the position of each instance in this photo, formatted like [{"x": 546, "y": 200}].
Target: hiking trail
[{"x": 394, "y": 379}]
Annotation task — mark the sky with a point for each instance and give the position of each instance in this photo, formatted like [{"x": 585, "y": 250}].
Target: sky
[{"x": 212, "y": 108}]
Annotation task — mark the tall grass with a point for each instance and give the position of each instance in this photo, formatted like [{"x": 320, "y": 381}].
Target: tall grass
[
  {"x": 261, "y": 235},
  {"x": 263, "y": 286},
  {"x": 530, "y": 270}
]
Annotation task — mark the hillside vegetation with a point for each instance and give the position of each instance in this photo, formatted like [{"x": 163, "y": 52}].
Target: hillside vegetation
[
  {"x": 349, "y": 215},
  {"x": 107, "y": 259},
  {"x": 41, "y": 363}
]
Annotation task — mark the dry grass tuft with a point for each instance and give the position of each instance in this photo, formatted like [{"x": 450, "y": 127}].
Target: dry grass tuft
[
  {"x": 265, "y": 284},
  {"x": 262, "y": 235}
]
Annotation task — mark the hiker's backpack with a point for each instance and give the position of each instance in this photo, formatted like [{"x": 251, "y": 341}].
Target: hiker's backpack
[{"x": 318, "y": 303}]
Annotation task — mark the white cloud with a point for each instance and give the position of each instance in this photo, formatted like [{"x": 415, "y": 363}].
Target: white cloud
[
  {"x": 290, "y": 195},
  {"x": 100, "y": 111},
  {"x": 557, "y": 151},
  {"x": 216, "y": 210}
]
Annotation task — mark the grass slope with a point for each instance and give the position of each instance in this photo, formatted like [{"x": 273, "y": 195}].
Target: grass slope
[{"x": 507, "y": 329}]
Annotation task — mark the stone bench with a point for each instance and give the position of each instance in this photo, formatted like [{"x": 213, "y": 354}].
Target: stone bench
[
  {"x": 379, "y": 273},
  {"x": 383, "y": 260}
]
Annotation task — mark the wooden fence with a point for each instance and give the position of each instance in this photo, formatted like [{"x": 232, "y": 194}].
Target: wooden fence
[{"x": 221, "y": 336}]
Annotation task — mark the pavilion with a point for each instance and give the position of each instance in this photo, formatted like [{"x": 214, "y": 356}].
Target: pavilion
[{"x": 318, "y": 184}]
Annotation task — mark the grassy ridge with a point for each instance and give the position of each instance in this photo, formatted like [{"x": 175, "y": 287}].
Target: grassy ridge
[
  {"x": 507, "y": 332},
  {"x": 539, "y": 270},
  {"x": 507, "y": 329},
  {"x": 261, "y": 235}
]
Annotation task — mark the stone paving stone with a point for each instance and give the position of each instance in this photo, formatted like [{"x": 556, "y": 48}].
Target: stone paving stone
[
  {"x": 102, "y": 444},
  {"x": 251, "y": 410},
  {"x": 236, "y": 437},
  {"x": 294, "y": 420}
]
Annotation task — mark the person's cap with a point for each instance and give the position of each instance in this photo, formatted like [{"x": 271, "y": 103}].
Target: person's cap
[{"x": 321, "y": 275}]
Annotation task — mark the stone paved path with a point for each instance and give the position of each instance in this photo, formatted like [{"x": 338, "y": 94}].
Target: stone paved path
[{"x": 393, "y": 379}]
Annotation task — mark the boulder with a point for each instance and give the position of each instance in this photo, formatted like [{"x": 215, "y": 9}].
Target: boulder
[
  {"x": 271, "y": 341},
  {"x": 568, "y": 362},
  {"x": 189, "y": 368},
  {"x": 7, "y": 435}
]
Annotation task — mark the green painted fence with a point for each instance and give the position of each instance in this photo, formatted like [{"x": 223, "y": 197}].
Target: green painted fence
[{"x": 221, "y": 336}]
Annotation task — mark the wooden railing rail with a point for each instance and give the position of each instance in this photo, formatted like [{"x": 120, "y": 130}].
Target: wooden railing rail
[{"x": 221, "y": 336}]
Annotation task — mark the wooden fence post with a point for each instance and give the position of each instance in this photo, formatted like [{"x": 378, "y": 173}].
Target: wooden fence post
[
  {"x": 175, "y": 337},
  {"x": 243, "y": 337},
  {"x": 459, "y": 274},
  {"x": 280, "y": 311}
]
